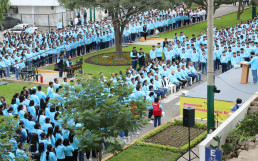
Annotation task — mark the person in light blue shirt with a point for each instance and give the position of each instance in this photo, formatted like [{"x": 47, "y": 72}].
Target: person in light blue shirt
[
  {"x": 158, "y": 52},
  {"x": 34, "y": 97},
  {"x": 159, "y": 86},
  {"x": 254, "y": 66},
  {"x": 237, "y": 105},
  {"x": 193, "y": 73},
  {"x": 31, "y": 109},
  {"x": 139, "y": 94},
  {"x": 224, "y": 61},
  {"x": 59, "y": 24},
  {"x": 203, "y": 60},
  {"x": 218, "y": 54},
  {"x": 150, "y": 100},
  {"x": 60, "y": 149},
  {"x": 50, "y": 91},
  {"x": 68, "y": 150},
  {"x": 41, "y": 94},
  {"x": 49, "y": 155},
  {"x": 56, "y": 84},
  {"x": 234, "y": 60},
  {"x": 2, "y": 68},
  {"x": 153, "y": 53}
]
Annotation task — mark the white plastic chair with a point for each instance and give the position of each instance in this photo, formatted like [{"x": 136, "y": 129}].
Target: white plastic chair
[{"x": 170, "y": 86}]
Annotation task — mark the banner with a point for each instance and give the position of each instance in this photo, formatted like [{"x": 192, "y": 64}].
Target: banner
[{"x": 221, "y": 108}]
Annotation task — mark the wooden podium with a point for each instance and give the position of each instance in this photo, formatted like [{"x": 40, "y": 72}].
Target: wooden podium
[{"x": 245, "y": 74}]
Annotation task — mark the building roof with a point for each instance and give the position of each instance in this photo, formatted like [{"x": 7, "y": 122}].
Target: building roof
[{"x": 34, "y": 3}]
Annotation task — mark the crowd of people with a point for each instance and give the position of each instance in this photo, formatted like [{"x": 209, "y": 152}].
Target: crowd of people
[
  {"x": 176, "y": 62},
  {"x": 32, "y": 49}
]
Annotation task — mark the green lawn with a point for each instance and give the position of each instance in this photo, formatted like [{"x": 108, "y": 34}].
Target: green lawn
[
  {"x": 10, "y": 89},
  {"x": 229, "y": 19},
  {"x": 188, "y": 31},
  {"x": 144, "y": 153},
  {"x": 107, "y": 70}
]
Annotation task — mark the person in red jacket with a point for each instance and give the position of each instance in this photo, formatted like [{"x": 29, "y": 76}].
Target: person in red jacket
[{"x": 157, "y": 111}]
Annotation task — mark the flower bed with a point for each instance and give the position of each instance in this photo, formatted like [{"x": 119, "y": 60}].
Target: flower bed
[
  {"x": 170, "y": 138},
  {"x": 108, "y": 59},
  {"x": 174, "y": 136}
]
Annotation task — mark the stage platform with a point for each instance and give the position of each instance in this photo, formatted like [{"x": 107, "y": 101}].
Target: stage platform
[{"x": 229, "y": 85}]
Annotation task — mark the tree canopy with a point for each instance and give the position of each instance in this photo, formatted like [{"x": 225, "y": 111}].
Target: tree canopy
[
  {"x": 4, "y": 6},
  {"x": 97, "y": 111},
  {"x": 121, "y": 11}
]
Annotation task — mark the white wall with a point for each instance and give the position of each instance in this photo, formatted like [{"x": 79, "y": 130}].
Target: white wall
[{"x": 225, "y": 128}]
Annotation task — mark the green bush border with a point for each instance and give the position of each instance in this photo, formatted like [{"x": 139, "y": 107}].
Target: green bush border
[{"x": 184, "y": 148}]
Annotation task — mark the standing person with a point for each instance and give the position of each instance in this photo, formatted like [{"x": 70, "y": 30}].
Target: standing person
[
  {"x": 85, "y": 15},
  {"x": 60, "y": 150},
  {"x": 17, "y": 69},
  {"x": 150, "y": 100},
  {"x": 153, "y": 53},
  {"x": 141, "y": 56},
  {"x": 159, "y": 52},
  {"x": 203, "y": 59},
  {"x": 50, "y": 92},
  {"x": 144, "y": 32},
  {"x": 134, "y": 57},
  {"x": 224, "y": 61},
  {"x": 68, "y": 150},
  {"x": 74, "y": 143},
  {"x": 60, "y": 62},
  {"x": 50, "y": 155},
  {"x": 254, "y": 66},
  {"x": 157, "y": 111},
  {"x": 2, "y": 68},
  {"x": 60, "y": 25}
]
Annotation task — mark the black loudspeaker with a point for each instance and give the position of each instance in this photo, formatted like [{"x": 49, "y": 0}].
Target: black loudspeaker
[{"x": 188, "y": 116}]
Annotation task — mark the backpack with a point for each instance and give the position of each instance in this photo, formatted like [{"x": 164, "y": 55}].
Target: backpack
[{"x": 156, "y": 110}]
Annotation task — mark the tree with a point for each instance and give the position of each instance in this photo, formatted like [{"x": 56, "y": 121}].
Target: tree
[
  {"x": 7, "y": 132},
  {"x": 100, "y": 115},
  {"x": 240, "y": 9},
  {"x": 121, "y": 11},
  {"x": 8, "y": 127},
  {"x": 4, "y": 6}
]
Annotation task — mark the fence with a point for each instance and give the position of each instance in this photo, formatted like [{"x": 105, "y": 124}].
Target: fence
[
  {"x": 225, "y": 128},
  {"x": 47, "y": 20}
]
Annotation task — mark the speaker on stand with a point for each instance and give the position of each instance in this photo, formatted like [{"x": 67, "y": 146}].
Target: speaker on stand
[{"x": 189, "y": 121}]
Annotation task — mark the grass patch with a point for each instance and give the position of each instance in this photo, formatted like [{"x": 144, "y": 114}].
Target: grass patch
[
  {"x": 145, "y": 153},
  {"x": 229, "y": 19},
  {"x": 107, "y": 70},
  {"x": 145, "y": 149},
  {"x": 10, "y": 89}
]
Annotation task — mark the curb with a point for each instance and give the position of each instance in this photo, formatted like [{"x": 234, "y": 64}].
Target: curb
[
  {"x": 24, "y": 82},
  {"x": 127, "y": 146}
]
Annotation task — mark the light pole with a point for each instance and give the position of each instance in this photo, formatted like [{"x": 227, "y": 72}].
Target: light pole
[{"x": 210, "y": 69}]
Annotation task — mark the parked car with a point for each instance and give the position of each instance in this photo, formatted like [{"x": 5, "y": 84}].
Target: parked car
[
  {"x": 20, "y": 28},
  {"x": 9, "y": 22}
]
